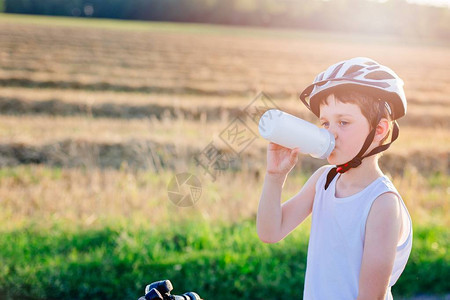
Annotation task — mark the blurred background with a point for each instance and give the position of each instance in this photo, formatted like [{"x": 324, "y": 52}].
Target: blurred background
[{"x": 129, "y": 151}]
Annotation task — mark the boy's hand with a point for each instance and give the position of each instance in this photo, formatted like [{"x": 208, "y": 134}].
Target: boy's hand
[{"x": 280, "y": 160}]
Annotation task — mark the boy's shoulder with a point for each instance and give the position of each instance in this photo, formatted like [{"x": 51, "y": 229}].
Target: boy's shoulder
[
  {"x": 388, "y": 202},
  {"x": 386, "y": 180},
  {"x": 385, "y": 214}
]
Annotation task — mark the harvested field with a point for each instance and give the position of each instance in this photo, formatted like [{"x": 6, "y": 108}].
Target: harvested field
[{"x": 154, "y": 97}]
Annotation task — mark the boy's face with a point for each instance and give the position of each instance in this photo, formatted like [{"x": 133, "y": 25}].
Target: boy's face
[{"x": 348, "y": 125}]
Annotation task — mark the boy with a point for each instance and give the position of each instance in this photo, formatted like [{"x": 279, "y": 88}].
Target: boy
[{"x": 361, "y": 231}]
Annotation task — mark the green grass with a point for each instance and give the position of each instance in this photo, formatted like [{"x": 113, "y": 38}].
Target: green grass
[
  {"x": 58, "y": 258},
  {"x": 218, "y": 261}
]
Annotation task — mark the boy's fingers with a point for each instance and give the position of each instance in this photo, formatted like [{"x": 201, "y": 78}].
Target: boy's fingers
[
  {"x": 273, "y": 146},
  {"x": 294, "y": 154}
]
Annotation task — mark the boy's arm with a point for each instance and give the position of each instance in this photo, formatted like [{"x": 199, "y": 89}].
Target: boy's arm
[
  {"x": 382, "y": 235},
  {"x": 275, "y": 221}
]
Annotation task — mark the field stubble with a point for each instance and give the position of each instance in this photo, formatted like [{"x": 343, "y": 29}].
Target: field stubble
[{"x": 81, "y": 89}]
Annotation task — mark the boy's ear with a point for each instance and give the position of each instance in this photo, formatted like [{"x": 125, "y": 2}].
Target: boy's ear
[{"x": 382, "y": 130}]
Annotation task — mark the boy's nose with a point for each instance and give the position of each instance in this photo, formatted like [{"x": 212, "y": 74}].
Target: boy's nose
[{"x": 333, "y": 131}]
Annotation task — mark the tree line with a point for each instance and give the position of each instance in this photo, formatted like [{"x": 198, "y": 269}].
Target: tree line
[{"x": 394, "y": 17}]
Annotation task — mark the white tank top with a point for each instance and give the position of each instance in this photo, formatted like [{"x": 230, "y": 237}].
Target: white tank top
[{"x": 336, "y": 240}]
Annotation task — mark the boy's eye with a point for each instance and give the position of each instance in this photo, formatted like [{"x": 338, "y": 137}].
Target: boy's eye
[
  {"x": 343, "y": 123},
  {"x": 325, "y": 124}
]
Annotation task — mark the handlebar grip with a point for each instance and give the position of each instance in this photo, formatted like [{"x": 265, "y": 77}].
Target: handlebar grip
[
  {"x": 187, "y": 296},
  {"x": 193, "y": 296},
  {"x": 160, "y": 290},
  {"x": 163, "y": 286},
  {"x": 153, "y": 294}
]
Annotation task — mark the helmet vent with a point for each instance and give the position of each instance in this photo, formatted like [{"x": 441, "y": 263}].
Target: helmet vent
[
  {"x": 379, "y": 75},
  {"x": 373, "y": 68},
  {"x": 335, "y": 71},
  {"x": 370, "y": 63},
  {"x": 352, "y": 69},
  {"x": 320, "y": 76}
]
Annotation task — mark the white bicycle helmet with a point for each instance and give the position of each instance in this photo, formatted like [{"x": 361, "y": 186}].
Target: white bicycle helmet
[
  {"x": 366, "y": 75},
  {"x": 361, "y": 73}
]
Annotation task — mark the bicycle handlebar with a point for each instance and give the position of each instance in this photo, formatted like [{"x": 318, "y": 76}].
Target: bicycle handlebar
[{"x": 160, "y": 290}]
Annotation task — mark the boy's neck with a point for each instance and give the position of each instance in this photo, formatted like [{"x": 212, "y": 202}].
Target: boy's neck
[{"x": 361, "y": 176}]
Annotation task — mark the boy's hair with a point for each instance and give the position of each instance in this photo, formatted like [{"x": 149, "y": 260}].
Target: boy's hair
[{"x": 368, "y": 104}]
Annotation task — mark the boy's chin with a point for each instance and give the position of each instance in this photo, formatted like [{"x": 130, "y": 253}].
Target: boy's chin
[{"x": 333, "y": 160}]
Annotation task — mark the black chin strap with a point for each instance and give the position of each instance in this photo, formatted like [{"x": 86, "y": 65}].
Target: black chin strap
[{"x": 356, "y": 161}]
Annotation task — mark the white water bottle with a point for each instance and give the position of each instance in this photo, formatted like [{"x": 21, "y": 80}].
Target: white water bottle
[{"x": 289, "y": 131}]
